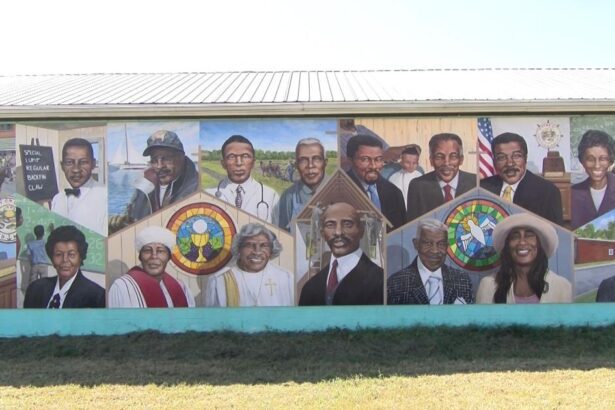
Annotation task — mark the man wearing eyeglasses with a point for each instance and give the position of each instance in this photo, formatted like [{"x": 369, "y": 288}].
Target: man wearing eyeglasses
[
  {"x": 85, "y": 202},
  {"x": 171, "y": 177},
  {"x": 514, "y": 182},
  {"x": 366, "y": 155},
  {"x": 311, "y": 162},
  {"x": 445, "y": 182},
  {"x": 239, "y": 188},
  {"x": 427, "y": 280}
]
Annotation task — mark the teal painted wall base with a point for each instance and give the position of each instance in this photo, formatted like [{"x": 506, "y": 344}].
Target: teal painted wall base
[{"x": 75, "y": 322}]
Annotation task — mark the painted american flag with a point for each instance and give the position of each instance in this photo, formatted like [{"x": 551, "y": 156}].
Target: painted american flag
[{"x": 485, "y": 158}]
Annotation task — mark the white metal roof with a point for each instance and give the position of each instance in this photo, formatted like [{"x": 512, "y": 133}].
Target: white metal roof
[{"x": 307, "y": 92}]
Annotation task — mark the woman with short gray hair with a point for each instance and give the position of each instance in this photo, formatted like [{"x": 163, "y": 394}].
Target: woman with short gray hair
[{"x": 252, "y": 280}]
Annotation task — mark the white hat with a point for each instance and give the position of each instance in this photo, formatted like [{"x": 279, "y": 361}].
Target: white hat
[
  {"x": 155, "y": 234},
  {"x": 545, "y": 231}
]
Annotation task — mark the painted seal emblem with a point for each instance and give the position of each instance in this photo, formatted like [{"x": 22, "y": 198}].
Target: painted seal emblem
[
  {"x": 204, "y": 235},
  {"x": 470, "y": 233},
  {"x": 548, "y": 135},
  {"x": 8, "y": 223}
]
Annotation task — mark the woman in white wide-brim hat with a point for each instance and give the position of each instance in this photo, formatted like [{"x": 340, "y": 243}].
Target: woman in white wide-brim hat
[{"x": 525, "y": 243}]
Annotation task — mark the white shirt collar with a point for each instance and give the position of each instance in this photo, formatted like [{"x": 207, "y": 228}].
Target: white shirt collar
[
  {"x": 426, "y": 273},
  {"x": 89, "y": 184},
  {"x": 453, "y": 183},
  {"x": 246, "y": 185},
  {"x": 62, "y": 292},
  {"x": 513, "y": 186},
  {"x": 346, "y": 263}
]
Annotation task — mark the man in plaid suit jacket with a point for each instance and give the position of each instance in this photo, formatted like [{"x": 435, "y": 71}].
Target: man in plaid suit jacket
[{"x": 427, "y": 280}]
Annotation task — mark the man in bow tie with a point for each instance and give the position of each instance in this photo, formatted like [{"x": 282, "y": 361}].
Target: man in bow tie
[{"x": 85, "y": 202}]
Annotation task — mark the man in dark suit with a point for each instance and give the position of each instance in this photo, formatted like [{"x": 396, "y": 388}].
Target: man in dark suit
[
  {"x": 427, "y": 280},
  {"x": 366, "y": 155},
  {"x": 445, "y": 182},
  {"x": 514, "y": 182},
  {"x": 67, "y": 249},
  {"x": 350, "y": 278}
]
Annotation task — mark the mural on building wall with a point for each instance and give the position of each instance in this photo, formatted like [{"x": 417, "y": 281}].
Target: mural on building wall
[
  {"x": 593, "y": 206},
  {"x": 269, "y": 168},
  {"x": 151, "y": 165},
  {"x": 339, "y": 234},
  {"x": 75, "y": 252},
  {"x": 383, "y": 157},
  {"x": 285, "y": 212},
  {"x": 527, "y": 161},
  {"x": 461, "y": 239}
]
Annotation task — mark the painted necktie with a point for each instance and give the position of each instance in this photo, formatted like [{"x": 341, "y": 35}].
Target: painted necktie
[
  {"x": 433, "y": 285},
  {"x": 448, "y": 196},
  {"x": 55, "y": 302},
  {"x": 507, "y": 194},
  {"x": 239, "y": 197},
  {"x": 332, "y": 282},
  {"x": 373, "y": 196}
]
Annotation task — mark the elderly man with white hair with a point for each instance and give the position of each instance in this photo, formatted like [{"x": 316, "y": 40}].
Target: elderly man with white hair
[
  {"x": 311, "y": 162},
  {"x": 428, "y": 280},
  {"x": 252, "y": 280},
  {"x": 149, "y": 285}
]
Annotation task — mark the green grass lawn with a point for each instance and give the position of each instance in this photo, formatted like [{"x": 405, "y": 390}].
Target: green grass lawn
[{"x": 413, "y": 368}]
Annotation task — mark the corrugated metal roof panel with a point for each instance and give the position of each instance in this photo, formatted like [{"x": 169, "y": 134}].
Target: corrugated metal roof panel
[
  {"x": 260, "y": 92},
  {"x": 323, "y": 87},
  {"x": 203, "y": 82},
  {"x": 254, "y": 83},
  {"x": 308, "y": 87},
  {"x": 335, "y": 87},
  {"x": 175, "y": 94},
  {"x": 283, "y": 90}
]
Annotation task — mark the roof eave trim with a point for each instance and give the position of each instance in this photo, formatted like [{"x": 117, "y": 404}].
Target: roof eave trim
[{"x": 303, "y": 109}]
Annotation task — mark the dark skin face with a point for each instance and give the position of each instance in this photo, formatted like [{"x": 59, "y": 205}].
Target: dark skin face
[
  {"x": 311, "y": 164},
  {"x": 168, "y": 164},
  {"x": 77, "y": 165},
  {"x": 523, "y": 244},
  {"x": 596, "y": 162},
  {"x": 367, "y": 163},
  {"x": 341, "y": 228},
  {"x": 431, "y": 247},
  {"x": 154, "y": 258},
  {"x": 66, "y": 260},
  {"x": 446, "y": 160},
  {"x": 238, "y": 161},
  {"x": 510, "y": 162},
  {"x": 254, "y": 253}
]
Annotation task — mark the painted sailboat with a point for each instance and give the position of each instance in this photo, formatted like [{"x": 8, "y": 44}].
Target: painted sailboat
[{"x": 126, "y": 157}]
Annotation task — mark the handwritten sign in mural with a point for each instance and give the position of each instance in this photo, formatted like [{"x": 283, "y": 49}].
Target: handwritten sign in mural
[{"x": 39, "y": 175}]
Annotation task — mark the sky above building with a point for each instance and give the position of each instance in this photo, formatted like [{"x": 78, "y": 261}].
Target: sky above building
[{"x": 68, "y": 36}]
